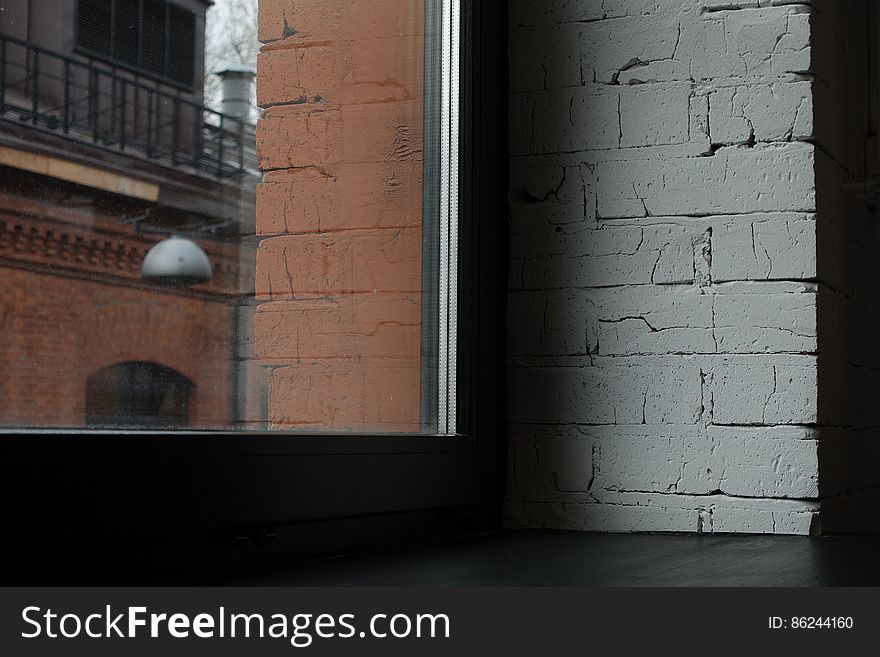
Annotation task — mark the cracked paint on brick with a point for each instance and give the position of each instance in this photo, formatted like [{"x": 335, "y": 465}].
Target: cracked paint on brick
[{"x": 663, "y": 334}]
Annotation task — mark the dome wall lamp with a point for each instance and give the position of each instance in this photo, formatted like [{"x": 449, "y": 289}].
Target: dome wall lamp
[{"x": 176, "y": 261}]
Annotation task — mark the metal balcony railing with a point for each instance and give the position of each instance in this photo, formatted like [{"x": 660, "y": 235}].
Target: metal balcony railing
[{"x": 108, "y": 106}]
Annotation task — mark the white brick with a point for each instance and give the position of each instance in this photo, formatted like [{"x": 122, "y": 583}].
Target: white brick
[
  {"x": 643, "y": 7},
  {"x": 546, "y": 191},
  {"x": 763, "y": 248},
  {"x": 743, "y": 318},
  {"x": 792, "y": 52},
  {"x": 665, "y": 70},
  {"x": 779, "y": 390},
  {"x": 663, "y": 314},
  {"x": 721, "y": 513},
  {"x": 614, "y": 391},
  {"x": 654, "y": 115},
  {"x": 610, "y": 46},
  {"x": 572, "y": 120},
  {"x": 545, "y": 58},
  {"x": 763, "y": 112},
  {"x": 634, "y": 512},
  {"x": 738, "y": 461},
  {"x": 537, "y": 178},
  {"x": 751, "y": 319},
  {"x": 550, "y": 323},
  {"x": 548, "y": 257},
  {"x": 754, "y": 34},
  {"x": 552, "y": 461},
  {"x": 645, "y": 463},
  {"x": 575, "y": 120},
  {"x": 548, "y": 12},
  {"x": 756, "y": 43},
  {"x": 767, "y": 461},
  {"x": 743, "y": 4},
  {"x": 747, "y": 521},
  {"x": 734, "y": 180},
  {"x": 767, "y": 42},
  {"x": 651, "y": 320}
]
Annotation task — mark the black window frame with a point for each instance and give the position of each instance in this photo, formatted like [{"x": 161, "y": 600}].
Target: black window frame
[
  {"x": 164, "y": 78},
  {"x": 103, "y": 507}
]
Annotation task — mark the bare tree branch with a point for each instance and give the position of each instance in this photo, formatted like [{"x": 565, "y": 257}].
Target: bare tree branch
[{"x": 230, "y": 40}]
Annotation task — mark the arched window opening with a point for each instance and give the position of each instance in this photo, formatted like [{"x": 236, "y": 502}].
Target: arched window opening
[{"x": 138, "y": 395}]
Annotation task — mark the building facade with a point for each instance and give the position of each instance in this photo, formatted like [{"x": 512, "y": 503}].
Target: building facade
[{"x": 106, "y": 149}]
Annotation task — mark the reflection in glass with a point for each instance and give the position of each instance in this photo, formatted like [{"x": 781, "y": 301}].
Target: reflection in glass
[
  {"x": 135, "y": 124},
  {"x": 138, "y": 396}
]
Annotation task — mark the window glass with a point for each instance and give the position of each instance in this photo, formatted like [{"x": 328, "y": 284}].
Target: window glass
[
  {"x": 272, "y": 248},
  {"x": 149, "y": 36},
  {"x": 137, "y": 395}
]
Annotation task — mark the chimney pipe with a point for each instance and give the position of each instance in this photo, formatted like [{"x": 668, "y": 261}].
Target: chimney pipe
[{"x": 237, "y": 84}]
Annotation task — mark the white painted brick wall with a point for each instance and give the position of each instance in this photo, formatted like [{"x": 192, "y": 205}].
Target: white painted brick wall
[
  {"x": 766, "y": 178},
  {"x": 662, "y": 333}
]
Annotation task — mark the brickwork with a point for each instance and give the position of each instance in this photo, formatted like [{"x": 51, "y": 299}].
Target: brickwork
[
  {"x": 339, "y": 209},
  {"x": 57, "y": 331},
  {"x": 691, "y": 336},
  {"x": 72, "y": 303},
  {"x": 663, "y": 334}
]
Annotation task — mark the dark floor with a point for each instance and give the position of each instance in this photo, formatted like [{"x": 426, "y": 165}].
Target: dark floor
[{"x": 544, "y": 558}]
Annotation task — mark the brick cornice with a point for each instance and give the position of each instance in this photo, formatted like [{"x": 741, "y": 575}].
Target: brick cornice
[{"x": 61, "y": 248}]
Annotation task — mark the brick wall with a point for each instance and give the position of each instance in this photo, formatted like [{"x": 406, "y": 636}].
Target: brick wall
[
  {"x": 57, "y": 330},
  {"x": 72, "y": 302},
  {"x": 691, "y": 310},
  {"x": 339, "y": 210},
  {"x": 663, "y": 349}
]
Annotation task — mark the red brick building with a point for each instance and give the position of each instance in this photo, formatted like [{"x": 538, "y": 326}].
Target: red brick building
[
  {"x": 105, "y": 149},
  {"x": 339, "y": 268}
]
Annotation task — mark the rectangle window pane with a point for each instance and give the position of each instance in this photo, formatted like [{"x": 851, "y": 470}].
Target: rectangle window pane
[
  {"x": 94, "y": 20},
  {"x": 150, "y": 37},
  {"x": 217, "y": 259},
  {"x": 126, "y": 36},
  {"x": 154, "y": 31}
]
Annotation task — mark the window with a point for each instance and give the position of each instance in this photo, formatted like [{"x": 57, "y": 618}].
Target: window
[
  {"x": 329, "y": 329},
  {"x": 154, "y": 36},
  {"x": 326, "y": 296},
  {"x": 137, "y": 396}
]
